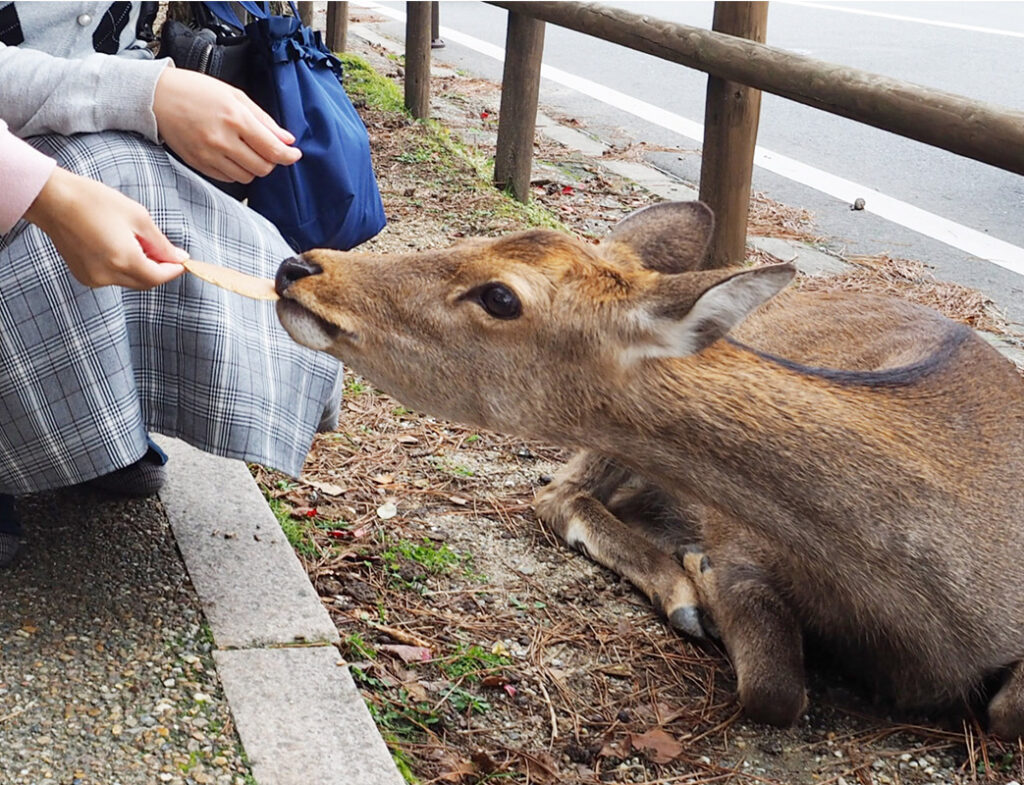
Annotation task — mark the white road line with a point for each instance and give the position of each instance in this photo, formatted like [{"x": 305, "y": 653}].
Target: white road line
[
  {"x": 901, "y": 18},
  {"x": 963, "y": 238}
]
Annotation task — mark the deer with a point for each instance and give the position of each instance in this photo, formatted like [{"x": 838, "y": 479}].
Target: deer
[{"x": 769, "y": 465}]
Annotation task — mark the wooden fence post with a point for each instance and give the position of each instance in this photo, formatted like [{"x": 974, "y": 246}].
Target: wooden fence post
[
  {"x": 417, "y": 59},
  {"x": 337, "y": 26},
  {"x": 435, "y": 26},
  {"x": 517, "y": 120},
  {"x": 730, "y": 132}
]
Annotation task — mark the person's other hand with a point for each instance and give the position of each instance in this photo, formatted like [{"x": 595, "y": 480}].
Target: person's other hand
[
  {"x": 217, "y": 129},
  {"x": 105, "y": 237}
]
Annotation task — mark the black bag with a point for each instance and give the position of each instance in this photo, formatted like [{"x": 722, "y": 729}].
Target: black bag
[{"x": 207, "y": 45}]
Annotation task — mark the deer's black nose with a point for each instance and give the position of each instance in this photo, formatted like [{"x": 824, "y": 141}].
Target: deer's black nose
[{"x": 293, "y": 269}]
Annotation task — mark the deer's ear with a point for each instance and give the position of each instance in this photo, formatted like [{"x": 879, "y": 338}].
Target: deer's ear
[
  {"x": 669, "y": 237},
  {"x": 685, "y": 320}
]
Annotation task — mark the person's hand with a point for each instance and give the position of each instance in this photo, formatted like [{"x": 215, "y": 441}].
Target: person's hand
[
  {"x": 217, "y": 129},
  {"x": 105, "y": 237}
]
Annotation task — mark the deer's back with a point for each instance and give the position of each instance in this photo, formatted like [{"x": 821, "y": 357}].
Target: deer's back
[
  {"x": 955, "y": 531},
  {"x": 848, "y": 331}
]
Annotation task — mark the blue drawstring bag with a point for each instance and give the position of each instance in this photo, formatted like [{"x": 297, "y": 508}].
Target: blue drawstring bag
[{"x": 329, "y": 198}]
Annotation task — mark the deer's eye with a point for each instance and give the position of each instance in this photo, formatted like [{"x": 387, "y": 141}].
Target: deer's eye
[{"x": 500, "y": 301}]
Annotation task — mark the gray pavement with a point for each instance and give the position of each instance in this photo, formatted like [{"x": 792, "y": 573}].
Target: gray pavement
[{"x": 173, "y": 640}]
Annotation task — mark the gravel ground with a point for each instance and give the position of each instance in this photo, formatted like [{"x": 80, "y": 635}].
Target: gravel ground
[{"x": 106, "y": 676}]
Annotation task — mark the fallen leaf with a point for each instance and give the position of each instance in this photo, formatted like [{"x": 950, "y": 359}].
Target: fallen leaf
[
  {"x": 325, "y": 487},
  {"x": 387, "y": 511},
  {"x": 657, "y": 744},
  {"x": 383, "y": 479},
  {"x": 347, "y": 534},
  {"x": 619, "y": 749},
  {"x": 416, "y": 690},
  {"x": 407, "y": 440},
  {"x": 462, "y": 770},
  {"x": 485, "y": 762},
  {"x": 458, "y": 500},
  {"x": 407, "y": 653},
  {"x": 297, "y": 498},
  {"x": 540, "y": 767}
]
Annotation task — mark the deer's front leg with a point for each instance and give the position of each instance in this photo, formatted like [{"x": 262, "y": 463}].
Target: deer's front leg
[
  {"x": 757, "y": 626},
  {"x": 574, "y": 506}
]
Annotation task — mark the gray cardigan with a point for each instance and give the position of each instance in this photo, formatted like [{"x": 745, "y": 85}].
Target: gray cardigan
[{"x": 55, "y": 82}]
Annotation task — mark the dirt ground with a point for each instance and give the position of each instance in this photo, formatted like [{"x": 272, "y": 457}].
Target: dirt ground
[{"x": 486, "y": 650}]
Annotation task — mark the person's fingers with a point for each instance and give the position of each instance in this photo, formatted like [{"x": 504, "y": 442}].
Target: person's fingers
[
  {"x": 265, "y": 141},
  {"x": 213, "y": 172},
  {"x": 158, "y": 273},
  {"x": 258, "y": 112},
  {"x": 248, "y": 159},
  {"x": 227, "y": 171},
  {"x": 155, "y": 244}
]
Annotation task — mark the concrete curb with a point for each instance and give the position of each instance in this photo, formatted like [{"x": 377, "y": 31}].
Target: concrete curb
[{"x": 299, "y": 715}]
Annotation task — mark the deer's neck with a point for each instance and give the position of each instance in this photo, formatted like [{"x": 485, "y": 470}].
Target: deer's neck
[{"x": 733, "y": 427}]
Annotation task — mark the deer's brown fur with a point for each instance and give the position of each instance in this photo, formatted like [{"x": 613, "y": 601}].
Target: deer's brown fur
[{"x": 851, "y": 465}]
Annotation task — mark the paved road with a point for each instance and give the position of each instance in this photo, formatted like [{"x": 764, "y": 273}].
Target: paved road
[{"x": 967, "y": 48}]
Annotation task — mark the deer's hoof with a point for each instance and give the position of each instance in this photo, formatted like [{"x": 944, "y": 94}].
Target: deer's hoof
[
  {"x": 694, "y": 559},
  {"x": 690, "y": 620}
]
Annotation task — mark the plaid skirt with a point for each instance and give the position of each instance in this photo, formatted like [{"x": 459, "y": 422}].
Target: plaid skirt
[{"x": 85, "y": 373}]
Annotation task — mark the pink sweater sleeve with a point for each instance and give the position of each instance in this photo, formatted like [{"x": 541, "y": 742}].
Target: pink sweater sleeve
[{"x": 23, "y": 173}]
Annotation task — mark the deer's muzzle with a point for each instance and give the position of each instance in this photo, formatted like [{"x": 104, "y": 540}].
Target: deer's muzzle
[{"x": 293, "y": 269}]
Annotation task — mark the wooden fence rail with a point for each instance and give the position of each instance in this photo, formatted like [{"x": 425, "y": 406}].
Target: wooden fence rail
[{"x": 982, "y": 131}]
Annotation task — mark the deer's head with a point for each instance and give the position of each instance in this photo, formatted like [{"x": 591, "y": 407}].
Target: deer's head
[{"x": 501, "y": 332}]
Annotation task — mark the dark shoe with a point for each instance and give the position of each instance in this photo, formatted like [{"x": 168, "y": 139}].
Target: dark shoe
[
  {"x": 143, "y": 478},
  {"x": 10, "y": 531}
]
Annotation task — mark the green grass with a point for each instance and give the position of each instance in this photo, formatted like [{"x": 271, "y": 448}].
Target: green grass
[
  {"x": 469, "y": 662},
  {"x": 355, "y": 386},
  {"x": 356, "y": 645},
  {"x": 448, "y": 466},
  {"x": 403, "y": 763},
  {"x": 294, "y": 531},
  {"x": 420, "y": 155},
  {"x": 438, "y": 147},
  {"x": 362, "y": 82},
  {"x": 435, "y": 559},
  {"x": 466, "y": 702}
]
